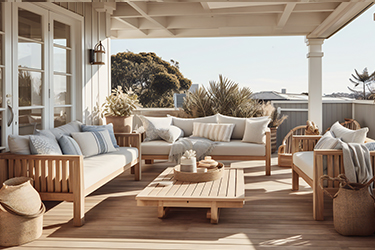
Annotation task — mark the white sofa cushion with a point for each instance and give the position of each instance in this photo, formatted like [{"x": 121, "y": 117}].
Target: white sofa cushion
[
  {"x": 237, "y": 147},
  {"x": 255, "y": 130},
  {"x": 170, "y": 135},
  {"x": 213, "y": 131},
  {"x": 305, "y": 162},
  {"x": 19, "y": 144},
  {"x": 99, "y": 166},
  {"x": 186, "y": 124},
  {"x": 348, "y": 135},
  {"x": 157, "y": 147},
  {"x": 153, "y": 124}
]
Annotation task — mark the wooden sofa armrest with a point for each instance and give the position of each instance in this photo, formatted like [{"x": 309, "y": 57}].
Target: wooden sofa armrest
[
  {"x": 129, "y": 140},
  {"x": 304, "y": 142}
]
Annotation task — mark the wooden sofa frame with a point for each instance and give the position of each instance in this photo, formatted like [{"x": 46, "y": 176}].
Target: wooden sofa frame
[
  {"x": 149, "y": 159},
  {"x": 60, "y": 177},
  {"x": 335, "y": 166}
]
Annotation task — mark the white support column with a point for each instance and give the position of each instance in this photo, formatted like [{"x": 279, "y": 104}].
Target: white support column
[{"x": 314, "y": 57}]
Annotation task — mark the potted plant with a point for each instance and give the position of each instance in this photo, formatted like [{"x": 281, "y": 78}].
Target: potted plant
[
  {"x": 118, "y": 109},
  {"x": 276, "y": 120}
]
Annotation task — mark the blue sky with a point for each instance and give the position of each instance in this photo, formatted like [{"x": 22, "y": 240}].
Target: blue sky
[{"x": 267, "y": 63}]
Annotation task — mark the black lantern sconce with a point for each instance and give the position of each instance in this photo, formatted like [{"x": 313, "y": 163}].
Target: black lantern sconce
[{"x": 97, "y": 54}]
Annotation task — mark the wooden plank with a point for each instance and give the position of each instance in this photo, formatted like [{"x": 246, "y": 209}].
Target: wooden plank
[
  {"x": 336, "y": 172},
  {"x": 224, "y": 185},
  {"x": 174, "y": 189},
  {"x": 240, "y": 187},
  {"x": 198, "y": 190},
  {"x": 58, "y": 178},
  {"x": 207, "y": 188},
  {"x": 64, "y": 176},
  {"x": 150, "y": 187},
  {"x": 24, "y": 168},
  {"x": 189, "y": 191},
  {"x": 215, "y": 187},
  {"x": 331, "y": 172},
  {"x": 43, "y": 177},
  {"x": 50, "y": 176},
  {"x": 11, "y": 168},
  {"x": 17, "y": 168},
  {"x": 232, "y": 184},
  {"x": 183, "y": 187},
  {"x": 168, "y": 176},
  {"x": 37, "y": 175},
  {"x": 32, "y": 169}
]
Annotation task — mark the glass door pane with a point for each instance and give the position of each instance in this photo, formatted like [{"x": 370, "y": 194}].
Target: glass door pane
[
  {"x": 31, "y": 72},
  {"x": 62, "y": 74}
]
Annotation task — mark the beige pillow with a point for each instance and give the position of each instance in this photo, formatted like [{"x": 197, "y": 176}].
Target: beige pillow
[
  {"x": 213, "y": 131},
  {"x": 348, "y": 135},
  {"x": 186, "y": 124},
  {"x": 255, "y": 130}
]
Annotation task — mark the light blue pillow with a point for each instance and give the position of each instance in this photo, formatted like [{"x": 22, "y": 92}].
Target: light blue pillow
[
  {"x": 109, "y": 127},
  {"x": 370, "y": 146},
  {"x": 43, "y": 145},
  {"x": 69, "y": 146}
]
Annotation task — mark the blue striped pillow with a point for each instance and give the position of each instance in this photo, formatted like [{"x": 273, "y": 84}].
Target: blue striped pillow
[
  {"x": 69, "y": 146},
  {"x": 94, "y": 143}
]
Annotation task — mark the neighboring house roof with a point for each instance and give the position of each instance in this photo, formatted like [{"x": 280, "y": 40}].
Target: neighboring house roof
[{"x": 277, "y": 96}]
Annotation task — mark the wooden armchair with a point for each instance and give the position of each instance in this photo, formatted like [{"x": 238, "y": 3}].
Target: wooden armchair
[
  {"x": 285, "y": 149},
  {"x": 334, "y": 158}
]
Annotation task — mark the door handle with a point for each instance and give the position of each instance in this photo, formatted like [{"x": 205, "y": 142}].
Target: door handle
[{"x": 10, "y": 119}]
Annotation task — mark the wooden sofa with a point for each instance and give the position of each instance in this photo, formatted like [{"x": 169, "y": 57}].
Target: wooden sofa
[
  {"x": 149, "y": 158},
  {"x": 300, "y": 145},
  {"x": 61, "y": 177}
]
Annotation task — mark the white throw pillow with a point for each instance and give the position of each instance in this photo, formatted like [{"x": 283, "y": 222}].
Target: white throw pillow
[
  {"x": 186, "y": 124},
  {"x": 94, "y": 143},
  {"x": 255, "y": 130},
  {"x": 213, "y": 131},
  {"x": 348, "y": 135},
  {"x": 239, "y": 123},
  {"x": 19, "y": 144},
  {"x": 170, "y": 135},
  {"x": 328, "y": 141},
  {"x": 153, "y": 124}
]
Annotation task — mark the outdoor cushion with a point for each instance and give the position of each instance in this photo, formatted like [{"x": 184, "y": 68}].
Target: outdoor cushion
[
  {"x": 237, "y": 147},
  {"x": 213, "y": 131},
  {"x": 170, "y": 135},
  {"x": 186, "y": 124},
  {"x": 94, "y": 143},
  {"x": 67, "y": 129},
  {"x": 348, "y": 135},
  {"x": 305, "y": 162},
  {"x": 99, "y": 166},
  {"x": 328, "y": 141},
  {"x": 109, "y": 127},
  {"x": 19, "y": 144},
  {"x": 156, "y": 147},
  {"x": 255, "y": 130},
  {"x": 69, "y": 146},
  {"x": 152, "y": 124},
  {"x": 239, "y": 123},
  {"x": 43, "y": 145}
]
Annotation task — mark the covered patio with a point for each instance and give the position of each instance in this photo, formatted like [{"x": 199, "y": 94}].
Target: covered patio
[{"x": 273, "y": 215}]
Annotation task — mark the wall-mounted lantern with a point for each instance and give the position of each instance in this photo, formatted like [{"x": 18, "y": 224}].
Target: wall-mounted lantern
[{"x": 97, "y": 54}]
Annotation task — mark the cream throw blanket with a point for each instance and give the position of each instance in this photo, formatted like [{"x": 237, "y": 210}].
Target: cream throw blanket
[{"x": 201, "y": 146}]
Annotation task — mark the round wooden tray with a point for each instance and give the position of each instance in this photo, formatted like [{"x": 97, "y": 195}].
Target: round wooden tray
[{"x": 210, "y": 175}]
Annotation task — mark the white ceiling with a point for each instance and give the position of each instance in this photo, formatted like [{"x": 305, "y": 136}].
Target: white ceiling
[{"x": 192, "y": 18}]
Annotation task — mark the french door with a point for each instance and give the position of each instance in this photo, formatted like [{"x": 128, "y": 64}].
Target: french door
[{"x": 43, "y": 69}]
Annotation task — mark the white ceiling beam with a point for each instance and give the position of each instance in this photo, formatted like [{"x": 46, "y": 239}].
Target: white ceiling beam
[
  {"x": 342, "y": 15},
  {"x": 141, "y": 7},
  {"x": 289, "y": 7}
]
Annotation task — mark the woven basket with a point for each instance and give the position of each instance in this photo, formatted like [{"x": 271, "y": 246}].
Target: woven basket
[
  {"x": 21, "y": 212},
  {"x": 210, "y": 175},
  {"x": 353, "y": 208}
]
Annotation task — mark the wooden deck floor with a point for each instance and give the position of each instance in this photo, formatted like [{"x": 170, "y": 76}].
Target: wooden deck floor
[{"x": 273, "y": 216}]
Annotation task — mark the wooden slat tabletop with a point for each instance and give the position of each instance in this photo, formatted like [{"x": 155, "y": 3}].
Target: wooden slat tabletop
[{"x": 230, "y": 188}]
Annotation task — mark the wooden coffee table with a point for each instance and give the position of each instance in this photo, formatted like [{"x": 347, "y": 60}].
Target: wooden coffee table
[{"x": 227, "y": 192}]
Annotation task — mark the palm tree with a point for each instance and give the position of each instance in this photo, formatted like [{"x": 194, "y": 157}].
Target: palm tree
[{"x": 365, "y": 79}]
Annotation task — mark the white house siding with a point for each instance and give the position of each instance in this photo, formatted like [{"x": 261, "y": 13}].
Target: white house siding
[{"x": 97, "y": 78}]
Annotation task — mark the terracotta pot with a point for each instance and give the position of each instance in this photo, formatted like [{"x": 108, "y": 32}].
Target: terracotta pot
[{"x": 121, "y": 124}]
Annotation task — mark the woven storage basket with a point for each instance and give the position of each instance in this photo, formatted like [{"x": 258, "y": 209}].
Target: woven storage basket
[
  {"x": 353, "y": 207},
  {"x": 210, "y": 175},
  {"x": 21, "y": 212}
]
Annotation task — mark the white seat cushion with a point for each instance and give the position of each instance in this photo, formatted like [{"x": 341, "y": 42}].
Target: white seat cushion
[
  {"x": 305, "y": 162},
  {"x": 99, "y": 166},
  {"x": 237, "y": 147},
  {"x": 157, "y": 147}
]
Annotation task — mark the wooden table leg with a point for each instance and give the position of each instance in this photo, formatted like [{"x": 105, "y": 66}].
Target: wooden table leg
[
  {"x": 214, "y": 213},
  {"x": 162, "y": 211}
]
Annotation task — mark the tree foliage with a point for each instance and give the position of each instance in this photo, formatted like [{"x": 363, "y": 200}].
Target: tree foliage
[
  {"x": 365, "y": 79},
  {"x": 224, "y": 97},
  {"x": 151, "y": 78}
]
